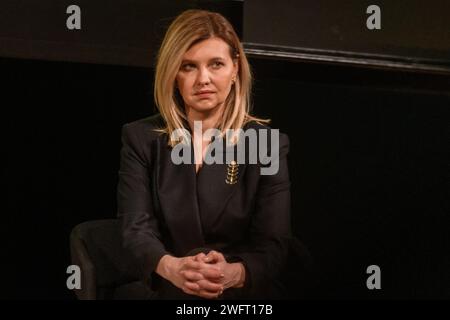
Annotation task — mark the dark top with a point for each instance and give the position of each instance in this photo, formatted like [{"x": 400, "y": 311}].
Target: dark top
[{"x": 169, "y": 209}]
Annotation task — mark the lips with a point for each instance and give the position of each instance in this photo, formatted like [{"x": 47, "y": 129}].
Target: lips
[{"x": 204, "y": 92}]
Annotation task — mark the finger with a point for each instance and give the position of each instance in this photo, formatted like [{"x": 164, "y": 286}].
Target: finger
[
  {"x": 209, "y": 257},
  {"x": 212, "y": 274},
  {"x": 214, "y": 256},
  {"x": 219, "y": 256},
  {"x": 196, "y": 265},
  {"x": 192, "y": 286},
  {"x": 210, "y": 286},
  {"x": 189, "y": 291},
  {"x": 200, "y": 256},
  {"x": 192, "y": 275},
  {"x": 209, "y": 295}
]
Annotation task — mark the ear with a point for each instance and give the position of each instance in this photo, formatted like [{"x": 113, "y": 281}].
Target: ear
[{"x": 235, "y": 68}]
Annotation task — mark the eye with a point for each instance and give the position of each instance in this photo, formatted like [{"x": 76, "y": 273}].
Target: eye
[
  {"x": 217, "y": 64},
  {"x": 187, "y": 66}
]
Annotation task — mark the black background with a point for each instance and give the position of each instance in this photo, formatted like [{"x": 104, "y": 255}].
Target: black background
[
  {"x": 368, "y": 161},
  {"x": 409, "y": 28}
]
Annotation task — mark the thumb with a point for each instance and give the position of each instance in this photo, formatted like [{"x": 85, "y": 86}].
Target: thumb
[
  {"x": 214, "y": 256},
  {"x": 199, "y": 257}
]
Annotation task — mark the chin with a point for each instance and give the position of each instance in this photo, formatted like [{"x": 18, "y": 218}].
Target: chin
[{"x": 205, "y": 106}]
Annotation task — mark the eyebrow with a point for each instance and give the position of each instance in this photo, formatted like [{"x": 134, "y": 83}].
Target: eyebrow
[{"x": 193, "y": 61}]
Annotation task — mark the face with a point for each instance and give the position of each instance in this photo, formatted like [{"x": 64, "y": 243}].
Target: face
[{"x": 205, "y": 76}]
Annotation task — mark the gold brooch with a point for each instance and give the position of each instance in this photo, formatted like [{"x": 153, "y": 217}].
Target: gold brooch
[{"x": 232, "y": 172}]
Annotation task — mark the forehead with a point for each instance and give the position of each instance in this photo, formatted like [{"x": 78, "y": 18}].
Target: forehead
[{"x": 207, "y": 49}]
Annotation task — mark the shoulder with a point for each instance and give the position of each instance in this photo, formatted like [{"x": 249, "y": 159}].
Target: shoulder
[
  {"x": 271, "y": 132},
  {"x": 145, "y": 128}
]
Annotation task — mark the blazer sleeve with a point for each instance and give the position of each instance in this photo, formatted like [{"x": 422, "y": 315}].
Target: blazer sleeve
[
  {"x": 270, "y": 229},
  {"x": 140, "y": 232}
]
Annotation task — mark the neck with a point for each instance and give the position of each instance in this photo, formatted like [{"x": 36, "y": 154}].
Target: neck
[{"x": 209, "y": 118}]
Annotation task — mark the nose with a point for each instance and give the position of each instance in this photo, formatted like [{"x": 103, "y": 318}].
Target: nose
[{"x": 203, "y": 77}]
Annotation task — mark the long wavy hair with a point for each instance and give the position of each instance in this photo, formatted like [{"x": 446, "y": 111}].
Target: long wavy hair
[{"x": 188, "y": 29}]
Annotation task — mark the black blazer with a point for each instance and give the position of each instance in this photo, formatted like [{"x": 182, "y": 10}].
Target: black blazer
[{"x": 169, "y": 209}]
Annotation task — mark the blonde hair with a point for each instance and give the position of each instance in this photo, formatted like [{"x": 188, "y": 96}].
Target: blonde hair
[{"x": 189, "y": 28}]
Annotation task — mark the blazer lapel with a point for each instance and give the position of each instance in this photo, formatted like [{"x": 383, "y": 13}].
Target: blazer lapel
[
  {"x": 177, "y": 190},
  {"x": 213, "y": 191}
]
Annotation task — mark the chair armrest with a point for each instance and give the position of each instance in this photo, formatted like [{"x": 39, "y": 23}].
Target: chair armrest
[{"x": 80, "y": 257}]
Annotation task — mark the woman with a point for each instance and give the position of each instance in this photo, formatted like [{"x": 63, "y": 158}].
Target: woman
[{"x": 201, "y": 229}]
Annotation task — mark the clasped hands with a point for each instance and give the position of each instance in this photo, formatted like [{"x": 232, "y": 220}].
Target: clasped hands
[{"x": 206, "y": 276}]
